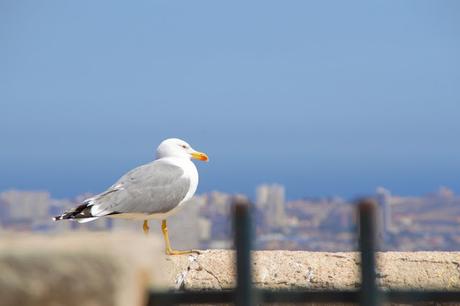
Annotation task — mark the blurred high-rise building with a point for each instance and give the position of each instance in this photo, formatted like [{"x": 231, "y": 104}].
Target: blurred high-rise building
[
  {"x": 26, "y": 204},
  {"x": 383, "y": 197},
  {"x": 184, "y": 227},
  {"x": 271, "y": 200}
]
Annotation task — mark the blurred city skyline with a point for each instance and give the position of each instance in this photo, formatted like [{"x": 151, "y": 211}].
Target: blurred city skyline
[
  {"x": 326, "y": 98},
  {"x": 404, "y": 223}
]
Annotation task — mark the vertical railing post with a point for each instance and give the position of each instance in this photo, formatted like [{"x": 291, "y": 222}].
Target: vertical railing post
[
  {"x": 243, "y": 236},
  {"x": 367, "y": 244}
]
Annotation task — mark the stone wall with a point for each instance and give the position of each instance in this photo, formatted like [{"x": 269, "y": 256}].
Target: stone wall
[
  {"x": 107, "y": 269},
  {"x": 83, "y": 269},
  {"x": 319, "y": 270}
]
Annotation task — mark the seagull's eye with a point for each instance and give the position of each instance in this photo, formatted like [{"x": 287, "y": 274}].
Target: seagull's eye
[{"x": 184, "y": 146}]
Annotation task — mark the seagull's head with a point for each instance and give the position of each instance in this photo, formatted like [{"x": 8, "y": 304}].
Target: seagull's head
[{"x": 174, "y": 147}]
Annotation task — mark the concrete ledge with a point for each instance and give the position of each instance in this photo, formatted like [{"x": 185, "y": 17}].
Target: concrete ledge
[
  {"x": 90, "y": 269},
  {"x": 317, "y": 270},
  {"x": 118, "y": 269}
]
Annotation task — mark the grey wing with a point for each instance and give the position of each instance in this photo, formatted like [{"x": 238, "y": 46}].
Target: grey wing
[{"x": 156, "y": 187}]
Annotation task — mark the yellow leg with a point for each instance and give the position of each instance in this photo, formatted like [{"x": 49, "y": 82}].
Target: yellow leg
[
  {"x": 146, "y": 227},
  {"x": 169, "y": 250}
]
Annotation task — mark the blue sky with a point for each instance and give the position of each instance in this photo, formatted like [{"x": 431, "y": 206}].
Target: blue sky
[{"x": 326, "y": 97}]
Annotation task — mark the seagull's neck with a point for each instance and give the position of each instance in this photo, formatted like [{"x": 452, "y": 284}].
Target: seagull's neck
[
  {"x": 190, "y": 172},
  {"x": 178, "y": 161}
]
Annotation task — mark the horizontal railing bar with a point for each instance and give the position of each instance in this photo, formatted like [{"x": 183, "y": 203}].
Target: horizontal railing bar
[
  {"x": 411, "y": 296},
  {"x": 195, "y": 297},
  {"x": 299, "y": 296},
  {"x": 267, "y": 296}
]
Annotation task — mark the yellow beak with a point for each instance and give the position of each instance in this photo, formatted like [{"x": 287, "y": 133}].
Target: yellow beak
[{"x": 200, "y": 156}]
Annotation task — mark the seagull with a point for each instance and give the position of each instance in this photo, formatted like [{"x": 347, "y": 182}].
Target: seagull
[{"x": 152, "y": 191}]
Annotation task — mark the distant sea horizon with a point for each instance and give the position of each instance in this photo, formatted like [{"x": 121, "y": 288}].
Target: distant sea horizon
[{"x": 62, "y": 194}]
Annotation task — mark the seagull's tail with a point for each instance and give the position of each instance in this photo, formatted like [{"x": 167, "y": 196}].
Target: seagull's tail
[{"x": 81, "y": 214}]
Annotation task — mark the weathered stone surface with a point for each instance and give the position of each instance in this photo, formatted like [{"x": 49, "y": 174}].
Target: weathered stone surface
[
  {"x": 419, "y": 270},
  {"x": 117, "y": 269},
  {"x": 316, "y": 270},
  {"x": 91, "y": 269}
]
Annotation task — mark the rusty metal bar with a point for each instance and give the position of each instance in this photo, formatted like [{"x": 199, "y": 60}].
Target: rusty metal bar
[
  {"x": 367, "y": 244},
  {"x": 243, "y": 238}
]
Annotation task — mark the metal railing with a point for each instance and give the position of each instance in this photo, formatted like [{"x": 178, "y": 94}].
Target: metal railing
[{"x": 245, "y": 295}]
